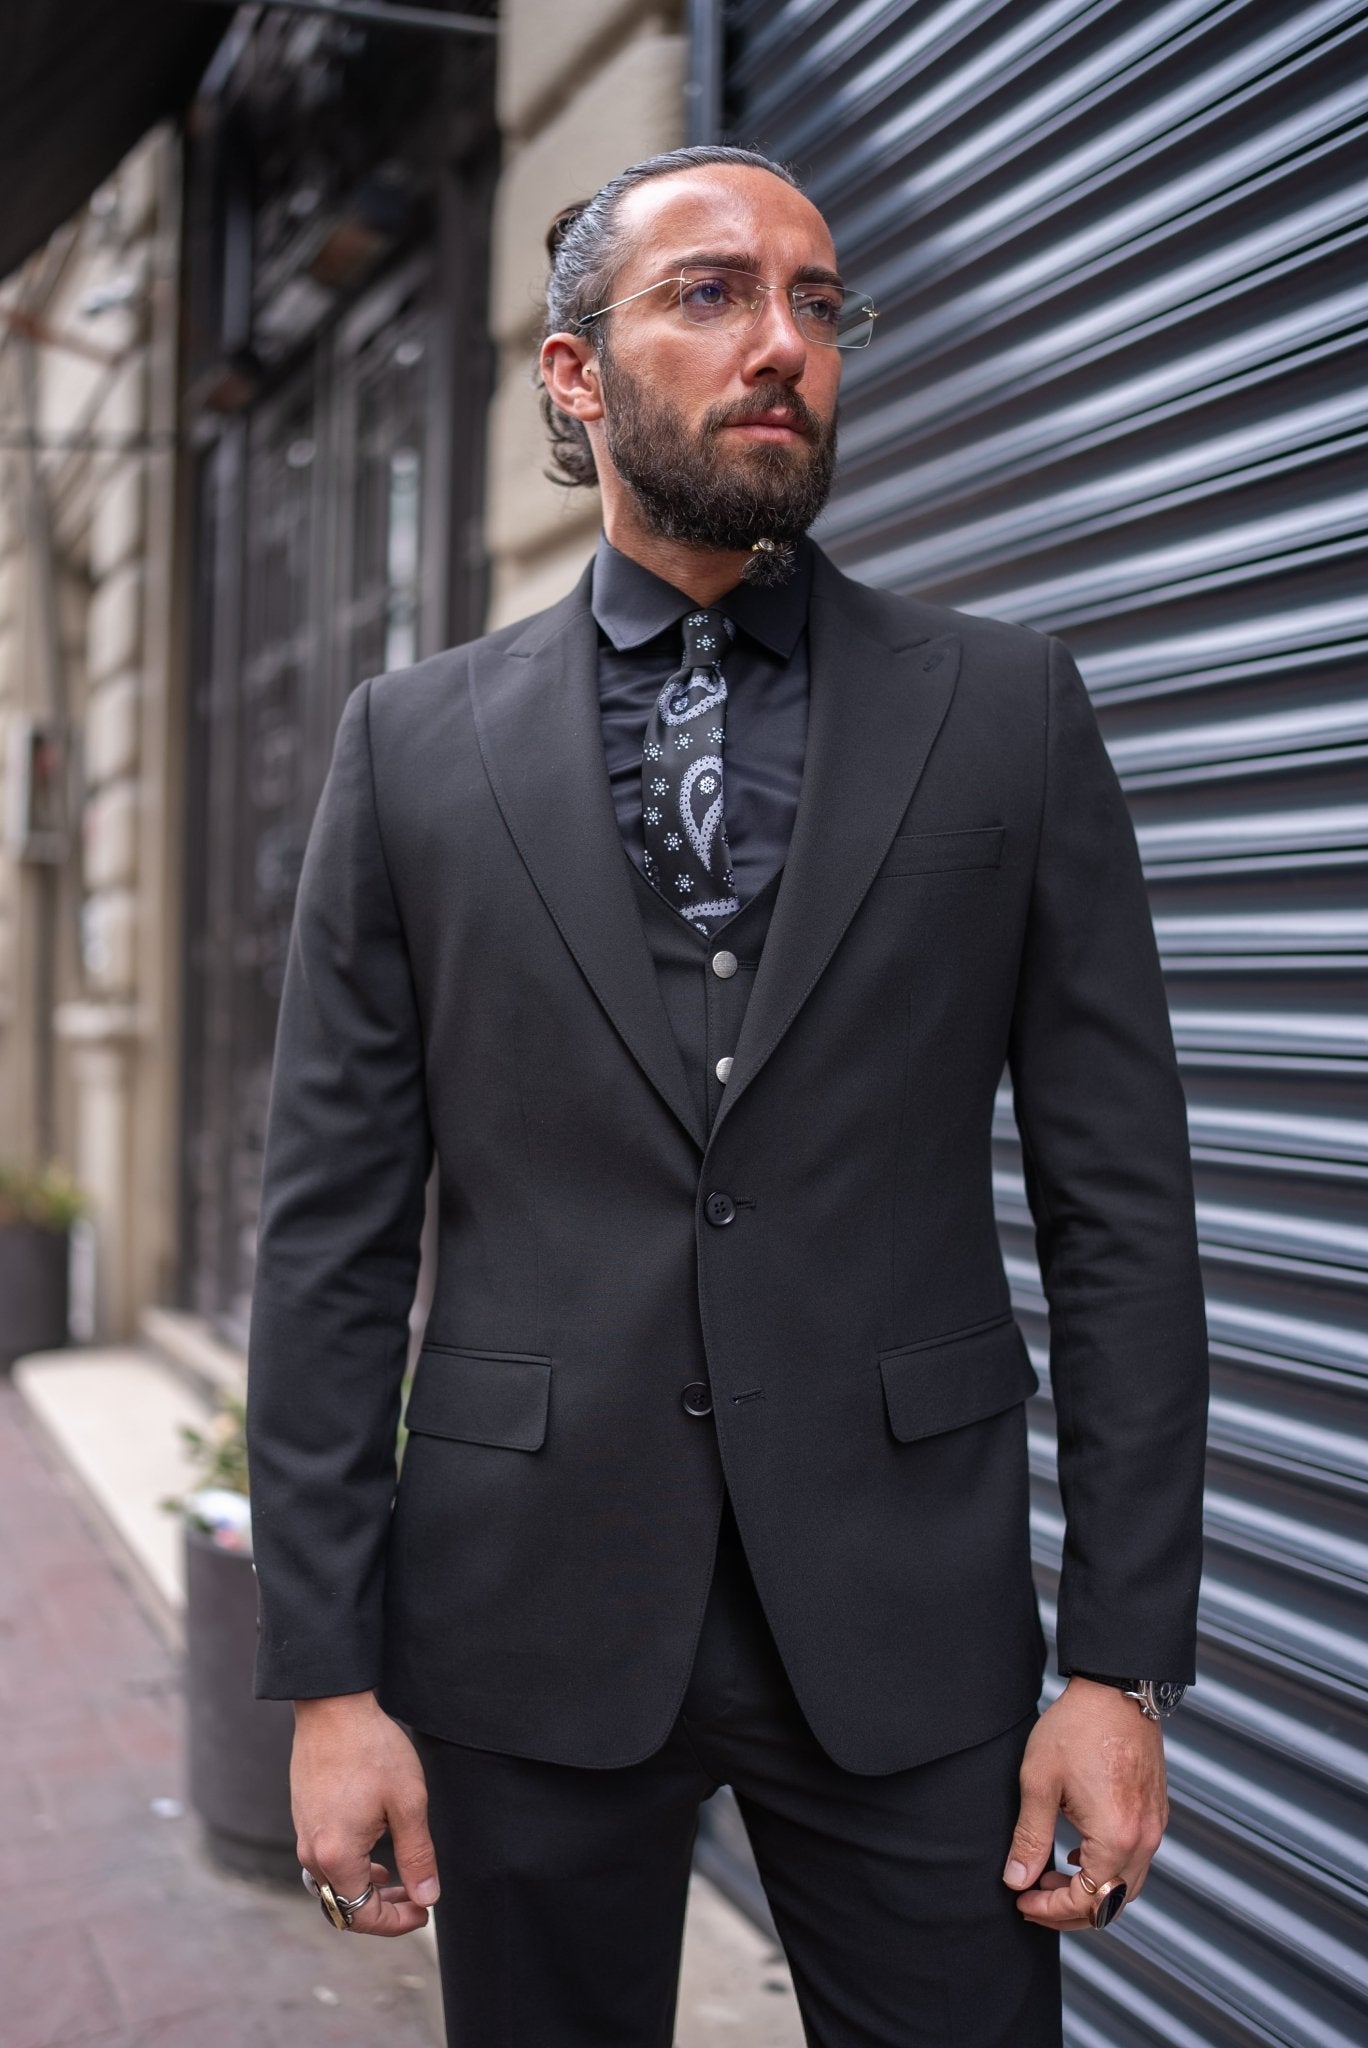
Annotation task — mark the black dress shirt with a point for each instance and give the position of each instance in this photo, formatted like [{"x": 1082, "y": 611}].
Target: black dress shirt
[{"x": 766, "y": 671}]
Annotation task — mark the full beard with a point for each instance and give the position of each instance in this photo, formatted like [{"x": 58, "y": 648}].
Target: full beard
[{"x": 761, "y": 499}]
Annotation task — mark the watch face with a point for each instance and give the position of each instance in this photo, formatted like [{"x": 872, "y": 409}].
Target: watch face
[{"x": 1157, "y": 1697}]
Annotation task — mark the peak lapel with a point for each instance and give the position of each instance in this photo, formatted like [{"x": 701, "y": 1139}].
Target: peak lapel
[
  {"x": 876, "y": 704},
  {"x": 537, "y": 717}
]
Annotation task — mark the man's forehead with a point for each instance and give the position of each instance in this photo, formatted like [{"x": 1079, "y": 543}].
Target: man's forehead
[{"x": 718, "y": 211}]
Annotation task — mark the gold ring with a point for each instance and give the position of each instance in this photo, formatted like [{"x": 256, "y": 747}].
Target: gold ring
[
  {"x": 332, "y": 1906},
  {"x": 338, "y": 1911}
]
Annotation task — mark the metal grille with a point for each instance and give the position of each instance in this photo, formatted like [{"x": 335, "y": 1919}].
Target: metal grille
[{"x": 1121, "y": 258}]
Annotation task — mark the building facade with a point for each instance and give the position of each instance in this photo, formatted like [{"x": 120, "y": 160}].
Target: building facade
[
  {"x": 312, "y": 450},
  {"x": 89, "y": 692},
  {"x": 336, "y": 378}
]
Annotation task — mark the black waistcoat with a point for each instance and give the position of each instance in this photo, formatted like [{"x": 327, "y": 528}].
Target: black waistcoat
[{"x": 705, "y": 983}]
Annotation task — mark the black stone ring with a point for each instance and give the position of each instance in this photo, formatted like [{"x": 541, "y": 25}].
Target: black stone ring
[{"x": 1107, "y": 1899}]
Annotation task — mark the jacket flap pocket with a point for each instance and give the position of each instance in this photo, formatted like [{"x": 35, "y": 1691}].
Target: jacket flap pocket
[
  {"x": 925, "y": 853},
  {"x": 481, "y": 1397},
  {"x": 948, "y": 1381}
]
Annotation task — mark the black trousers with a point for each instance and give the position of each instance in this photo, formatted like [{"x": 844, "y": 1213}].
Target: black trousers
[{"x": 563, "y": 1890}]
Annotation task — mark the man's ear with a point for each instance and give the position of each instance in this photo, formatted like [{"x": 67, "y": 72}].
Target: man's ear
[{"x": 570, "y": 373}]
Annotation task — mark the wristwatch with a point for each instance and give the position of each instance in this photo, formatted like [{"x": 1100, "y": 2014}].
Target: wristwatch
[{"x": 1157, "y": 1698}]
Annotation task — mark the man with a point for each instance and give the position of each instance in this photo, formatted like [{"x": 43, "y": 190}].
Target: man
[{"x": 690, "y": 925}]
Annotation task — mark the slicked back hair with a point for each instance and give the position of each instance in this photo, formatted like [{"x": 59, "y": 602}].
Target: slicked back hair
[{"x": 587, "y": 247}]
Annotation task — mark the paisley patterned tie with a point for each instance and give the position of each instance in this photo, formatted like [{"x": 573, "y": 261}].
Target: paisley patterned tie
[{"x": 687, "y": 861}]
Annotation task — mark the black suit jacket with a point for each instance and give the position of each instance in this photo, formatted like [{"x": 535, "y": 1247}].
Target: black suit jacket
[{"x": 468, "y": 975}]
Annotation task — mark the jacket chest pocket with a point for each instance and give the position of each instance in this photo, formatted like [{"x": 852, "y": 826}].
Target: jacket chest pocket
[
  {"x": 938, "y": 853},
  {"x": 480, "y": 1397}
]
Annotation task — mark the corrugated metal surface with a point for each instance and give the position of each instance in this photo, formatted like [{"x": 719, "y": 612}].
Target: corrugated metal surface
[{"x": 1121, "y": 255}]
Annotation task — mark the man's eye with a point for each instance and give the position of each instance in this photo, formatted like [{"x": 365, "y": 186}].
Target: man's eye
[
  {"x": 707, "y": 294},
  {"x": 822, "y": 306}
]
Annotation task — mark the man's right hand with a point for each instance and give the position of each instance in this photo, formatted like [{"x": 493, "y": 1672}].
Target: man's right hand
[{"x": 353, "y": 1772}]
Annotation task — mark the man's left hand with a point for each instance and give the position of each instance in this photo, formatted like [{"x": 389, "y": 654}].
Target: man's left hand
[{"x": 1095, "y": 1758}]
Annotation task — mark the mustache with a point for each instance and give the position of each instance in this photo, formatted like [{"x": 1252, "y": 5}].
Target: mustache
[{"x": 767, "y": 398}]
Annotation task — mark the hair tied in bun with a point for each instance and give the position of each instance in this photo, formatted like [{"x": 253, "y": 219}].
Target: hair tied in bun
[{"x": 561, "y": 226}]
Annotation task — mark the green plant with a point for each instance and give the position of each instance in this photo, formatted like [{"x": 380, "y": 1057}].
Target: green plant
[
  {"x": 219, "y": 1452},
  {"x": 46, "y": 1196},
  {"x": 220, "y": 1455}
]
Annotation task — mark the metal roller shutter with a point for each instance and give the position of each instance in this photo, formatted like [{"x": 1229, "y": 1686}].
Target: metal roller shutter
[{"x": 1121, "y": 257}]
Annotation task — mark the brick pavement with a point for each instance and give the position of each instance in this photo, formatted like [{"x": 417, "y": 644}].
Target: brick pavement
[{"x": 115, "y": 1932}]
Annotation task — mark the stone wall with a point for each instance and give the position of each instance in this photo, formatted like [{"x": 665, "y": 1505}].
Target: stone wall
[
  {"x": 90, "y": 1075},
  {"x": 585, "y": 88}
]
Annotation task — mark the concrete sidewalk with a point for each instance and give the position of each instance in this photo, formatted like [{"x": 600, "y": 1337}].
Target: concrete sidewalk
[{"x": 115, "y": 1930}]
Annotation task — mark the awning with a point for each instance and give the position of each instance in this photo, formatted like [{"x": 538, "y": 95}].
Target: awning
[{"x": 80, "y": 82}]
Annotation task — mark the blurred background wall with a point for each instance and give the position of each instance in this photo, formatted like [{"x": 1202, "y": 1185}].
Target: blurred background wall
[
  {"x": 583, "y": 90},
  {"x": 91, "y": 689}
]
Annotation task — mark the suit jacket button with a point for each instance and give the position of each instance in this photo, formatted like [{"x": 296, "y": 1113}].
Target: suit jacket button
[
  {"x": 719, "y": 1210},
  {"x": 697, "y": 1398}
]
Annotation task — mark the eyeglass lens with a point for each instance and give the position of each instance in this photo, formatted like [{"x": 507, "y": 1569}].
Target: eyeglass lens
[{"x": 713, "y": 297}]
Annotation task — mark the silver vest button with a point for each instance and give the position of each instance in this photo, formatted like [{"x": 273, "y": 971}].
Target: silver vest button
[
  {"x": 724, "y": 965},
  {"x": 723, "y": 1068}
]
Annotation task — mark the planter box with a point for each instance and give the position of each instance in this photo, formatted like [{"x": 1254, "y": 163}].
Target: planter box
[
  {"x": 237, "y": 1747},
  {"x": 33, "y": 1290}
]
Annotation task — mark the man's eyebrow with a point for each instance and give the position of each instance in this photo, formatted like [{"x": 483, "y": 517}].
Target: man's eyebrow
[{"x": 807, "y": 273}]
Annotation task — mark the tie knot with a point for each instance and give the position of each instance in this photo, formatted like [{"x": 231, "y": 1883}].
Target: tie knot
[{"x": 707, "y": 636}]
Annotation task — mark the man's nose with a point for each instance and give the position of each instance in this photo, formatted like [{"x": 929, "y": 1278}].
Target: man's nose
[{"x": 776, "y": 346}]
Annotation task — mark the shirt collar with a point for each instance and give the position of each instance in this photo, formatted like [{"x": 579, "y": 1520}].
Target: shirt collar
[{"x": 633, "y": 605}]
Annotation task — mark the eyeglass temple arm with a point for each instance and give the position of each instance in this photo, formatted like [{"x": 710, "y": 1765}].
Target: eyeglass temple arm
[{"x": 585, "y": 318}]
